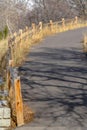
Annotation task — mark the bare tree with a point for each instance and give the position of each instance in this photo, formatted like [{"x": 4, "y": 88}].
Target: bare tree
[
  {"x": 20, "y": 13},
  {"x": 44, "y": 10},
  {"x": 11, "y": 11},
  {"x": 80, "y": 6}
]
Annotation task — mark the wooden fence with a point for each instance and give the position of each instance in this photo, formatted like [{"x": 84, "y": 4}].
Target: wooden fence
[
  {"x": 14, "y": 86},
  {"x": 20, "y": 40}
]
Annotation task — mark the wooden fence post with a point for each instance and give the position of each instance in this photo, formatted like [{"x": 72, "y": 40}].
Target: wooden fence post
[
  {"x": 10, "y": 46},
  {"x": 26, "y": 28},
  {"x": 40, "y": 26},
  {"x": 33, "y": 28},
  {"x": 27, "y": 32},
  {"x": 51, "y": 25},
  {"x": 10, "y": 89},
  {"x": 18, "y": 102},
  {"x": 15, "y": 43},
  {"x": 63, "y": 23},
  {"x": 20, "y": 44},
  {"x": 15, "y": 46},
  {"x": 76, "y": 20},
  {"x": 8, "y": 80},
  {"x": 10, "y": 63},
  {"x": 20, "y": 31}
]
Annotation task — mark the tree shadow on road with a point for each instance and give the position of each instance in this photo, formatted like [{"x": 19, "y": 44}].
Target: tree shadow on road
[{"x": 54, "y": 83}]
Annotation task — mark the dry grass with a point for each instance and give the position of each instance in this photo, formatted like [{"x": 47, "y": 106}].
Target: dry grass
[
  {"x": 3, "y": 48},
  {"x": 21, "y": 50},
  {"x": 27, "y": 112}
]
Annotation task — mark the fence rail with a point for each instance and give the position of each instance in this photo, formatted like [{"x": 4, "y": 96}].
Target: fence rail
[{"x": 19, "y": 40}]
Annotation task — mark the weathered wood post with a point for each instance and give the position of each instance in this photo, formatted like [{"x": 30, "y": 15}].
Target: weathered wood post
[
  {"x": 51, "y": 25},
  {"x": 14, "y": 86},
  {"x": 20, "y": 32},
  {"x": 27, "y": 33},
  {"x": 19, "y": 46},
  {"x": 76, "y": 20},
  {"x": 15, "y": 34},
  {"x": 33, "y": 28},
  {"x": 40, "y": 26},
  {"x": 63, "y": 23},
  {"x": 11, "y": 46},
  {"x": 8, "y": 80},
  {"x": 10, "y": 89},
  {"x": 18, "y": 101},
  {"x": 15, "y": 47}
]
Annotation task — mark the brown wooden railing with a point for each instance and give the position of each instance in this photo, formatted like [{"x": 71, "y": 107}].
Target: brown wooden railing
[
  {"x": 20, "y": 40},
  {"x": 14, "y": 86}
]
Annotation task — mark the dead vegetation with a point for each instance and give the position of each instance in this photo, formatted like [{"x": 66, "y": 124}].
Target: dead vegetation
[
  {"x": 35, "y": 35},
  {"x": 27, "y": 112},
  {"x": 20, "y": 51},
  {"x": 3, "y": 56}
]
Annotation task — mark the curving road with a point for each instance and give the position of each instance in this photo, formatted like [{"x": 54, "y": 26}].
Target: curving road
[{"x": 54, "y": 83}]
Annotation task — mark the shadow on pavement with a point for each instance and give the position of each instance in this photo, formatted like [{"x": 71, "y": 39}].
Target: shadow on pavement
[{"x": 54, "y": 83}]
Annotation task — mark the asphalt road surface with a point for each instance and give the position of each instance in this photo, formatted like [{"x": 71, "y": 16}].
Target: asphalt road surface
[{"x": 54, "y": 83}]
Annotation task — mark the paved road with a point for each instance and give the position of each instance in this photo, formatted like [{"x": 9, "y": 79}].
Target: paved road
[{"x": 54, "y": 83}]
